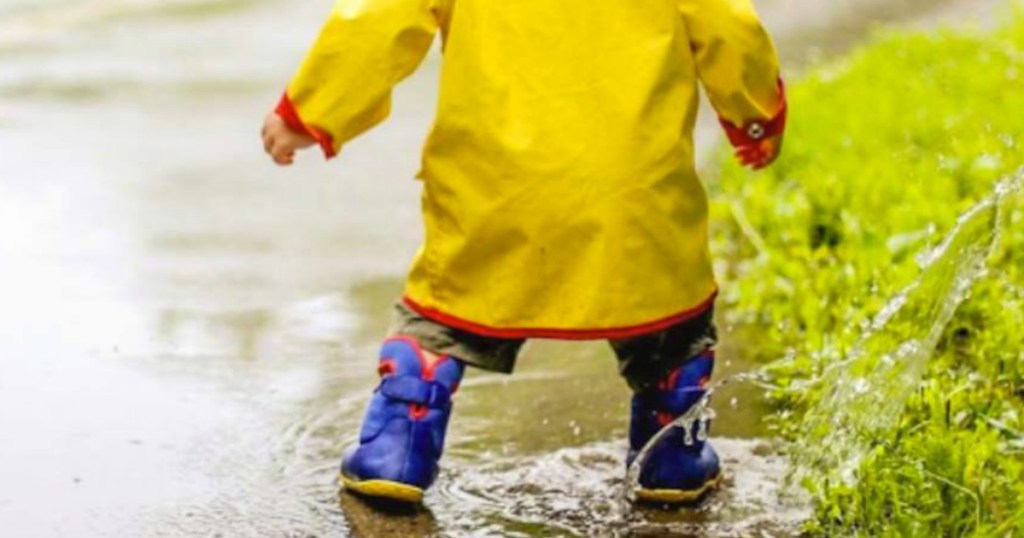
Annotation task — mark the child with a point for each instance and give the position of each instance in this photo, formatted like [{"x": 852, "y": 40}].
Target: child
[{"x": 559, "y": 196}]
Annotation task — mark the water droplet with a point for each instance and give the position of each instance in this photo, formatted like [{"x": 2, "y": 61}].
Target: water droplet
[{"x": 702, "y": 430}]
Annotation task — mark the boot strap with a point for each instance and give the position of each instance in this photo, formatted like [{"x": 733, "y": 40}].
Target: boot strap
[{"x": 411, "y": 389}]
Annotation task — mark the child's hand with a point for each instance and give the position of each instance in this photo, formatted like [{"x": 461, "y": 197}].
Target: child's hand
[
  {"x": 760, "y": 154},
  {"x": 280, "y": 142}
]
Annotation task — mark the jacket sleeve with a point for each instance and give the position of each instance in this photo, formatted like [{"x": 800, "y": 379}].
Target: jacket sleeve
[
  {"x": 738, "y": 66},
  {"x": 343, "y": 86}
]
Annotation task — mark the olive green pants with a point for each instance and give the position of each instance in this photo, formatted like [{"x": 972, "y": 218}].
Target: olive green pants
[{"x": 643, "y": 360}]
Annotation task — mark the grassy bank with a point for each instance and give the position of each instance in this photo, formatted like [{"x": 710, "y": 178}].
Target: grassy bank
[{"x": 886, "y": 149}]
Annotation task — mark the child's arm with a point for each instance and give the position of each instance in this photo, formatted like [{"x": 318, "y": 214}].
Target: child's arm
[
  {"x": 737, "y": 64},
  {"x": 343, "y": 87}
]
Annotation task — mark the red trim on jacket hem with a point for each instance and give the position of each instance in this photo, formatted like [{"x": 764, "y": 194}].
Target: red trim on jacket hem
[
  {"x": 286, "y": 110},
  {"x": 613, "y": 333},
  {"x": 756, "y": 131}
]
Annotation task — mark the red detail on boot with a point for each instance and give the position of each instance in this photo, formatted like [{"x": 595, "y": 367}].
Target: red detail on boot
[
  {"x": 386, "y": 367},
  {"x": 664, "y": 418},
  {"x": 669, "y": 383},
  {"x": 426, "y": 365},
  {"x": 418, "y": 411}
]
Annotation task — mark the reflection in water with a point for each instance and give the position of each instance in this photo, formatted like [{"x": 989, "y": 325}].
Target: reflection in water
[
  {"x": 180, "y": 329},
  {"x": 369, "y": 518}
]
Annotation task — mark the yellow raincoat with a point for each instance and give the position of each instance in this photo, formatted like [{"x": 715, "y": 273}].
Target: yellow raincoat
[{"x": 560, "y": 197}]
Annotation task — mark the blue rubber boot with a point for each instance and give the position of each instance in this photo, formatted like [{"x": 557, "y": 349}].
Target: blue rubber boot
[
  {"x": 403, "y": 432},
  {"x": 681, "y": 467}
]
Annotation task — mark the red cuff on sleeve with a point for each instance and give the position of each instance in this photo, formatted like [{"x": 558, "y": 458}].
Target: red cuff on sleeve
[
  {"x": 756, "y": 131},
  {"x": 286, "y": 110}
]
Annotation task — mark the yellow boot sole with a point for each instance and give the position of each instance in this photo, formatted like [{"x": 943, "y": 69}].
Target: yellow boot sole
[
  {"x": 383, "y": 489},
  {"x": 677, "y": 496}
]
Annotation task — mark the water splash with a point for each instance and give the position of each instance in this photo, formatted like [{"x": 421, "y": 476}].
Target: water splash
[
  {"x": 866, "y": 392},
  {"x": 700, "y": 414},
  {"x": 576, "y": 491}
]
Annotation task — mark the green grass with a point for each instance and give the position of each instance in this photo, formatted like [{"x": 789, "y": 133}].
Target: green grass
[{"x": 885, "y": 150}]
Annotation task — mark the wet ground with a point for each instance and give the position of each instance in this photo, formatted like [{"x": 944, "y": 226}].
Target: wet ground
[{"x": 187, "y": 334}]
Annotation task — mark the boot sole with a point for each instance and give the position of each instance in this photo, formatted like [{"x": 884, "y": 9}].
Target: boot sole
[
  {"x": 678, "y": 496},
  {"x": 383, "y": 489}
]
